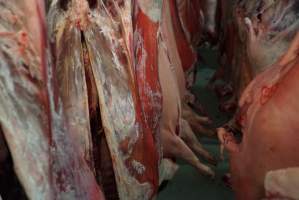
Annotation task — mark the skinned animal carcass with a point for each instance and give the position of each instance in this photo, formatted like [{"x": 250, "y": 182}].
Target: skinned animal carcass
[
  {"x": 268, "y": 27},
  {"x": 169, "y": 41},
  {"x": 198, "y": 20},
  {"x": 210, "y": 12},
  {"x": 255, "y": 35},
  {"x": 268, "y": 110},
  {"x": 192, "y": 20},
  {"x": 233, "y": 59},
  {"x": 44, "y": 155},
  {"x": 226, "y": 39},
  {"x": 186, "y": 52},
  {"x": 105, "y": 53}
]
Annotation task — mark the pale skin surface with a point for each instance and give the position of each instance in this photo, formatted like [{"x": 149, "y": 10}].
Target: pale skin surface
[
  {"x": 270, "y": 128},
  {"x": 173, "y": 145},
  {"x": 178, "y": 139}
]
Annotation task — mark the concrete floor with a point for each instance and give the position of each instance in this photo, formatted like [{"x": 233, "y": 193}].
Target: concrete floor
[{"x": 188, "y": 184}]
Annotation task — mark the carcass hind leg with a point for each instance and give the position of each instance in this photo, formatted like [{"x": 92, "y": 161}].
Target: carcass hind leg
[
  {"x": 175, "y": 147},
  {"x": 197, "y": 122},
  {"x": 190, "y": 139}
]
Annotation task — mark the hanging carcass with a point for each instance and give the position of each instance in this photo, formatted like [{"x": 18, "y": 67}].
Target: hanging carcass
[
  {"x": 44, "y": 155},
  {"x": 268, "y": 109},
  {"x": 105, "y": 53}
]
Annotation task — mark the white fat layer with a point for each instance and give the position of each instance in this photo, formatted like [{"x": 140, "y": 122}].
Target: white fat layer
[
  {"x": 115, "y": 97},
  {"x": 22, "y": 115},
  {"x": 116, "y": 102},
  {"x": 284, "y": 182}
]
